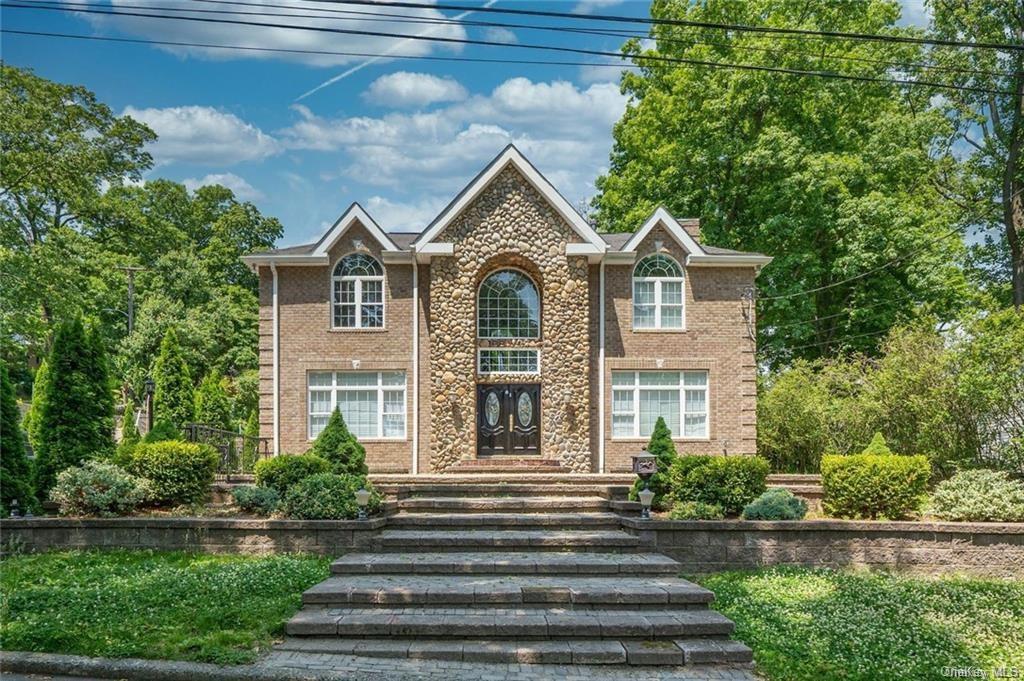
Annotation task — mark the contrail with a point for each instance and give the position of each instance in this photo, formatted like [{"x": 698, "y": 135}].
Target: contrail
[{"x": 391, "y": 50}]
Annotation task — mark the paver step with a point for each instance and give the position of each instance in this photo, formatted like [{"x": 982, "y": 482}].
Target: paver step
[
  {"x": 529, "y": 591},
  {"x": 801, "y": 490},
  {"x": 507, "y": 563},
  {"x": 505, "y": 540},
  {"x": 496, "y": 488},
  {"x": 475, "y": 521},
  {"x": 575, "y": 651},
  {"x": 507, "y": 623},
  {"x": 503, "y": 504}
]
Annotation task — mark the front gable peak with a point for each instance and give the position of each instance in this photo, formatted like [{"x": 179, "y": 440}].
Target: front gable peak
[
  {"x": 662, "y": 217},
  {"x": 352, "y": 215}
]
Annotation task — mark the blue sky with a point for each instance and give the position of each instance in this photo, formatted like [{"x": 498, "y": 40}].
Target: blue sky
[{"x": 400, "y": 136}]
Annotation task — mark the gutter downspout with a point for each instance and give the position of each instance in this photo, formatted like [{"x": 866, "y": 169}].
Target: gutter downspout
[
  {"x": 276, "y": 333},
  {"x": 600, "y": 365},
  {"x": 415, "y": 366}
]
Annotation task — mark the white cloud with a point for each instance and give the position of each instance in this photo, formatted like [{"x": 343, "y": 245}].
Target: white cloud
[
  {"x": 592, "y": 6},
  {"x": 404, "y": 217},
  {"x": 500, "y": 35},
  {"x": 914, "y": 13},
  {"x": 285, "y": 38},
  {"x": 242, "y": 189},
  {"x": 203, "y": 135},
  {"x": 406, "y": 89}
]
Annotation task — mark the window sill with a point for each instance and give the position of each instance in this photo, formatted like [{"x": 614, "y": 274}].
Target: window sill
[
  {"x": 648, "y": 439},
  {"x": 683, "y": 330},
  {"x": 373, "y": 439},
  {"x": 380, "y": 329}
]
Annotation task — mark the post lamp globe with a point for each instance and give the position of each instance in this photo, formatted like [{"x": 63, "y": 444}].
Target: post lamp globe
[{"x": 362, "y": 500}]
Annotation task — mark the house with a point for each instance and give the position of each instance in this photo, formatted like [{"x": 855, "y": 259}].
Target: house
[{"x": 508, "y": 327}]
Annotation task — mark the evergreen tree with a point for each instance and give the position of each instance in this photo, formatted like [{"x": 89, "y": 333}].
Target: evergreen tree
[
  {"x": 129, "y": 430},
  {"x": 250, "y": 445},
  {"x": 213, "y": 406},
  {"x": 339, "y": 446},
  {"x": 15, "y": 469},
  {"x": 877, "y": 445},
  {"x": 31, "y": 423},
  {"x": 172, "y": 401},
  {"x": 76, "y": 418},
  {"x": 664, "y": 449}
]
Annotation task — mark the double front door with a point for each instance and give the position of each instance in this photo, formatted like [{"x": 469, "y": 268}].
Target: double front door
[{"x": 508, "y": 419}]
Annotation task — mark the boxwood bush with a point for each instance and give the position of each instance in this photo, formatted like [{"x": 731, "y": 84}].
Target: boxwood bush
[
  {"x": 696, "y": 510},
  {"x": 328, "y": 496},
  {"x": 179, "y": 472},
  {"x": 979, "y": 495},
  {"x": 98, "y": 488},
  {"x": 257, "y": 500},
  {"x": 874, "y": 486},
  {"x": 776, "y": 504},
  {"x": 730, "y": 482},
  {"x": 281, "y": 472}
]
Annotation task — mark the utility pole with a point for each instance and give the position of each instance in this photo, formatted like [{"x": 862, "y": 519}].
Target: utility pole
[{"x": 131, "y": 294}]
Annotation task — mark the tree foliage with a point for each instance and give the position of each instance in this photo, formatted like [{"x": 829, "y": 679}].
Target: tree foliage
[
  {"x": 662, "y": 447},
  {"x": 213, "y": 405},
  {"x": 15, "y": 469},
  {"x": 339, "y": 446},
  {"x": 173, "y": 398}
]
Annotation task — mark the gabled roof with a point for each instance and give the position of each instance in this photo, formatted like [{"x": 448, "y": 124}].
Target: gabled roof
[
  {"x": 355, "y": 213},
  {"x": 511, "y": 156},
  {"x": 663, "y": 217}
]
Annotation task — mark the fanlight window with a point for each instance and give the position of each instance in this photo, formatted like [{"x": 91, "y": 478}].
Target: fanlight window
[
  {"x": 358, "y": 293},
  {"x": 658, "y": 293},
  {"x": 508, "y": 306}
]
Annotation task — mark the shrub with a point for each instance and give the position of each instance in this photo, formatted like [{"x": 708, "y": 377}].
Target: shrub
[
  {"x": 179, "y": 472},
  {"x": 328, "y": 496},
  {"x": 696, "y": 510},
  {"x": 339, "y": 446},
  {"x": 873, "y": 486},
  {"x": 281, "y": 472},
  {"x": 661, "y": 446},
  {"x": 877, "y": 446},
  {"x": 727, "y": 481},
  {"x": 776, "y": 504},
  {"x": 173, "y": 399},
  {"x": 98, "y": 488},
  {"x": 15, "y": 469},
  {"x": 979, "y": 495},
  {"x": 212, "y": 404},
  {"x": 258, "y": 500},
  {"x": 162, "y": 431}
]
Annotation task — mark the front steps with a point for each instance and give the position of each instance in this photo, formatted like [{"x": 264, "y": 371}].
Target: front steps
[{"x": 512, "y": 572}]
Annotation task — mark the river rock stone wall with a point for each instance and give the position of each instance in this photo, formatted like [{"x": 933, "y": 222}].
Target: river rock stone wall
[{"x": 510, "y": 225}]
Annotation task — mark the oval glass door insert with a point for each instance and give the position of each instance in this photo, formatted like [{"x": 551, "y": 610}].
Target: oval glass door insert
[
  {"x": 524, "y": 409},
  {"x": 492, "y": 409}
]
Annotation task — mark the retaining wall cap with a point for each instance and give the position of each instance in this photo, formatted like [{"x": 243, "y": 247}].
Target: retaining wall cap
[
  {"x": 197, "y": 523},
  {"x": 818, "y": 525}
]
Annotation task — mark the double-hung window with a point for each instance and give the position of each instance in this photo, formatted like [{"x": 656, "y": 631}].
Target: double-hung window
[
  {"x": 658, "y": 293},
  {"x": 640, "y": 397},
  {"x": 357, "y": 290},
  {"x": 372, "y": 402}
]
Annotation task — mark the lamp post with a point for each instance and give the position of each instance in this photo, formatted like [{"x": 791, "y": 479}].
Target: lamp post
[
  {"x": 362, "y": 499},
  {"x": 645, "y": 465},
  {"x": 14, "y": 508},
  {"x": 150, "y": 388}
]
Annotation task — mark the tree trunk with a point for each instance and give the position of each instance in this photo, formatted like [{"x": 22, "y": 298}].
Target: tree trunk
[{"x": 1013, "y": 192}]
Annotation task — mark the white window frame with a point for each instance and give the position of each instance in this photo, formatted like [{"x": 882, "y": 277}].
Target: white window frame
[
  {"x": 479, "y": 362},
  {"x": 680, "y": 386},
  {"x": 334, "y": 388},
  {"x": 358, "y": 294},
  {"x": 658, "y": 304}
]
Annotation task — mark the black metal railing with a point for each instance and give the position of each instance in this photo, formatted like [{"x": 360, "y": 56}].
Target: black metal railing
[{"x": 238, "y": 452}]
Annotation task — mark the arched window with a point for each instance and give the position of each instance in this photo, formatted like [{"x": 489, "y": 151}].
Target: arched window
[
  {"x": 508, "y": 306},
  {"x": 357, "y": 284},
  {"x": 657, "y": 293}
]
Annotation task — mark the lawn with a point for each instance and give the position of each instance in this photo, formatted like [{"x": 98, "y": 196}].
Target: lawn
[
  {"x": 170, "y": 605},
  {"x": 826, "y": 624}
]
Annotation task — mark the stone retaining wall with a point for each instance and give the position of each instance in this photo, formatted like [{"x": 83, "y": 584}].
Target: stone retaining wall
[
  {"x": 987, "y": 549},
  {"x": 213, "y": 535}
]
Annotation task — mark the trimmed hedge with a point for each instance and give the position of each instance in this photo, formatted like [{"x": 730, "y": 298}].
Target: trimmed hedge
[
  {"x": 874, "y": 486},
  {"x": 730, "y": 482},
  {"x": 328, "y": 496},
  {"x": 281, "y": 472},
  {"x": 979, "y": 495},
  {"x": 776, "y": 504},
  {"x": 179, "y": 472}
]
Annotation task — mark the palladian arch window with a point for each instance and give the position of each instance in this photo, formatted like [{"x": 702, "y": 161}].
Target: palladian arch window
[
  {"x": 357, "y": 285},
  {"x": 508, "y": 306},
  {"x": 657, "y": 293}
]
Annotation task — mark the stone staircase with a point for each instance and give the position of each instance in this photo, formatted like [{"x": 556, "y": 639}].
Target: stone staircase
[{"x": 512, "y": 577}]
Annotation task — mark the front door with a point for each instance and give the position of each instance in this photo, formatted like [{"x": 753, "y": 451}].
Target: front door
[{"x": 508, "y": 419}]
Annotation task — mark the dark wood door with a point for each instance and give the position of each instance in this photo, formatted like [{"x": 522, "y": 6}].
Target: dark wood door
[{"x": 508, "y": 419}]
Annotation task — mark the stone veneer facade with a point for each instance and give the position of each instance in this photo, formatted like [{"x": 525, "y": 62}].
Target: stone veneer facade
[{"x": 509, "y": 223}]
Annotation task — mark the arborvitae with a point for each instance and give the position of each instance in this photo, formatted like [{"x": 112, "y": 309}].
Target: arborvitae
[
  {"x": 32, "y": 418},
  {"x": 877, "y": 446},
  {"x": 213, "y": 406},
  {"x": 76, "y": 418},
  {"x": 172, "y": 401},
  {"x": 15, "y": 469},
  {"x": 250, "y": 444},
  {"x": 336, "y": 444},
  {"x": 664, "y": 449}
]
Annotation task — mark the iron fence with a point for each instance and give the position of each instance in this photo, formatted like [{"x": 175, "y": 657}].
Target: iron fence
[{"x": 238, "y": 452}]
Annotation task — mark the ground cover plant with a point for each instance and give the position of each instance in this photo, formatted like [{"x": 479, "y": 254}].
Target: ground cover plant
[
  {"x": 162, "y": 605},
  {"x": 819, "y": 624}
]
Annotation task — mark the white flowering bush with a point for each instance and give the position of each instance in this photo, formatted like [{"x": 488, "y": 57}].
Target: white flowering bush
[
  {"x": 979, "y": 495},
  {"x": 98, "y": 488}
]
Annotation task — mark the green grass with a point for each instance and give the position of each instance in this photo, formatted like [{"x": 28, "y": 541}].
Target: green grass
[
  {"x": 165, "y": 605},
  {"x": 826, "y": 624}
]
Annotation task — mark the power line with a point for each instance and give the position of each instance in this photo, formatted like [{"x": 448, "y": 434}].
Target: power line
[
  {"x": 683, "y": 22},
  {"x": 834, "y": 341},
  {"x": 554, "y": 48}
]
